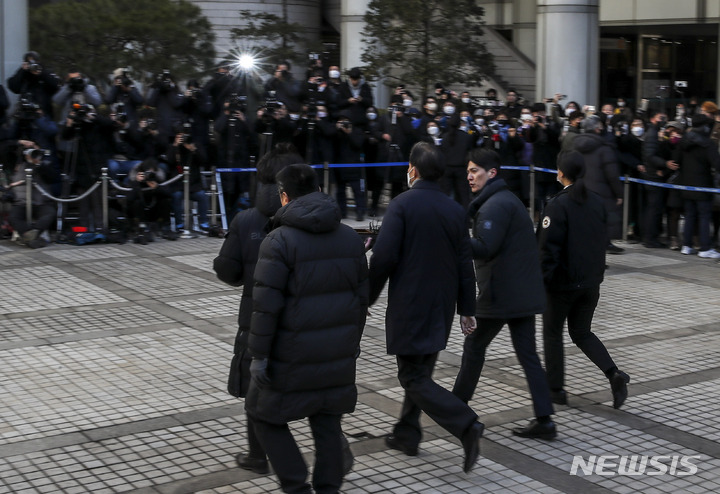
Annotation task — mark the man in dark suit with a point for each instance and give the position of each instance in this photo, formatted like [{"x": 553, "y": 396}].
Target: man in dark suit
[{"x": 424, "y": 248}]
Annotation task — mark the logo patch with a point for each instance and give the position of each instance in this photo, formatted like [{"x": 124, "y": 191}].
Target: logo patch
[
  {"x": 546, "y": 222},
  {"x": 487, "y": 225}
]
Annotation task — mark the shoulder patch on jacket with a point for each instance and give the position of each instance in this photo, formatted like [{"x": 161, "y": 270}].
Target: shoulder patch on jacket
[
  {"x": 546, "y": 222},
  {"x": 487, "y": 224}
]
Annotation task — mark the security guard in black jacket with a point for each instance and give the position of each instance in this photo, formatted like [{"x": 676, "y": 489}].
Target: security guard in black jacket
[{"x": 572, "y": 237}]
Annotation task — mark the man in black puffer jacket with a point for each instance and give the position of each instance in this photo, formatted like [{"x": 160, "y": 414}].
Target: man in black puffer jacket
[{"x": 309, "y": 306}]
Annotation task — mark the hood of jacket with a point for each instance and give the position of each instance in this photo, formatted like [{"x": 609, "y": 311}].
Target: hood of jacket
[
  {"x": 694, "y": 139},
  {"x": 316, "y": 213},
  {"x": 267, "y": 199},
  {"x": 587, "y": 143}
]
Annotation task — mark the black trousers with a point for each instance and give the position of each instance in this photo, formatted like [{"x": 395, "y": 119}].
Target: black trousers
[
  {"x": 288, "y": 462},
  {"x": 522, "y": 333},
  {"x": 424, "y": 394},
  {"x": 656, "y": 201},
  {"x": 454, "y": 183},
  {"x": 43, "y": 217},
  {"x": 577, "y": 307}
]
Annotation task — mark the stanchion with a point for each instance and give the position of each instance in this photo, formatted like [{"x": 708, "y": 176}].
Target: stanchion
[
  {"x": 105, "y": 199},
  {"x": 626, "y": 208},
  {"x": 532, "y": 192},
  {"x": 326, "y": 177},
  {"x": 213, "y": 199},
  {"x": 28, "y": 195},
  {"x": 186, "y": 233}
]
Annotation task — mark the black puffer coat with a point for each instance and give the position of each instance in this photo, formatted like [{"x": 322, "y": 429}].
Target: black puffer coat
[
  {"x": 507, "y": 260},
  {"x": 309, "y": 306},
  {"x": 697, "y": 157},
  {"x": 235, "y": 265}
]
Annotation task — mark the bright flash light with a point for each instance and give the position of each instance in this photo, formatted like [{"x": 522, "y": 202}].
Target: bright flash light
[{"x": 246, "y": 62}]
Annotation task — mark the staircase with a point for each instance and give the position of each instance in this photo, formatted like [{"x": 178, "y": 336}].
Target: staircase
[{"x": 512, "y": 68}]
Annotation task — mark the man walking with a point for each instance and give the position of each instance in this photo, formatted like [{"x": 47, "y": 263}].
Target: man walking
[
  {"x": 303, "y": 356},
  {"x": 510, "y": 283},
  {"x": 424, "y": 249}
]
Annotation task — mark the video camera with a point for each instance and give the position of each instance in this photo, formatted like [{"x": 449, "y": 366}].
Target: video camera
[
  {"x": 271, "y": 105},
  {"x": 164, "y": 81},
  {"x": 238, "y": 103},
  {"x": 77, "y": 84},
  {"x": 82, "y": 112},
  {"x": 186, "y": 131},
  {"x": 33, "y": 66},
  {"x": 27, "y": 109}
]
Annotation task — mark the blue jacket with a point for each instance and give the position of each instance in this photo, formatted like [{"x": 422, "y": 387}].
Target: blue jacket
[{"x": 424, "y": 250}]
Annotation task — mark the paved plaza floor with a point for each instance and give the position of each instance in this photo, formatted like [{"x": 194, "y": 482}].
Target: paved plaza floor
[{"x": 113, "y": 364}]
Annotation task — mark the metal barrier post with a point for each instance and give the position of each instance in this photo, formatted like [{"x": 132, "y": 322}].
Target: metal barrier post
[
  {"x": 105, "y": 199},
  {"x": 326, "y": 177},
  {"x": 626, "y": 208},
  {"x": 532, "y": 192},
  {"x": 28, "y": 195},
  {"x": 213, "y": 198},
  {"x": 186, "y": 233}
]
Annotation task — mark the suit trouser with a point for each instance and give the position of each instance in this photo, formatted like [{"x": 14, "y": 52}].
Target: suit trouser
[
  {"x": 522, "y": 333},
  {"x": 656, "y": 201},
  {"x": 578, "y": 307},
  {"x": 288, "y": 462},
  {"x": 424, "y": 394}
]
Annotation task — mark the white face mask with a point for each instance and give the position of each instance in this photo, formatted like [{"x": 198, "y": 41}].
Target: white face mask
[
  {"x": 407, "y": 103},
  {"x": 409, "y": 180},
  {"x": 372, "y": 116},
  {"x": 321, "y": 114},
  {"x": 433, "y": 131},
  {"x": 480, "y": 121},
  {"x": 464, "y": 128},
  {"x": 621, "y": 104},
  {"x": 568, "y": 111},
  {"x": 466, "y": 100},
  {"x": 294, "y": 116},
  {"x": 334, "y": 74},
  {"x": 449, "y": 110},
  {"x": 432, "y": 106},
  {"x": 637, "y": 131},
  {"x": 525, "y": 117}
]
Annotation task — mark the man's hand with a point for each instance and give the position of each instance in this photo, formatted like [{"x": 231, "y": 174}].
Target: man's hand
[
  {"x": 468, "y": 324},
  {"x": 258, "y": 371},
  {"x": 672, "y": 165}
]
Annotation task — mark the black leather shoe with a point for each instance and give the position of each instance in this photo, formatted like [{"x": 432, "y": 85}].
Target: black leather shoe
[
  {"x": 394, "y": 443},
  {"x": 257, "y": 465},
  {"x": 654, "y": 244},
  {"x": 559, "y": 397},
  {"x": 614, "y": 249},
  {"x": 537, "y": 430},
  {"x": 471, "y": 445},
  {"x": 618, "y": 384}
]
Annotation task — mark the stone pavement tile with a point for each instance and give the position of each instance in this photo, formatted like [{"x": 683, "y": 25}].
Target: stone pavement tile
[
  {"x": 583, "y": 434},
  {"x": 98, "y": 383},
  {"x": 180, "y": 247},
  {"x": 152, "y": 278},
  {"x": 437, "y": 469},
  {"x": 77, "y": 322},
  {"x": 640, "y": 260},
  {"x": 643, "y": 362},
  {"x": 692, "y": 408},
  {"x": 202, "y": 261},
  {"x": 210, "y": 307},
  {"x": 13, "y": 257},
  {"x": 38, "y": 288},
  {"x": 92, "y": 252}
]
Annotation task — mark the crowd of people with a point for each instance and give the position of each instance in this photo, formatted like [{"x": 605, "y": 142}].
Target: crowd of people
[{"x": 147, "y": 137}]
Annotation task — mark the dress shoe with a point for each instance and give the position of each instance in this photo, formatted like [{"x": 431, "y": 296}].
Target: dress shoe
[
  {"x": 654, "y": 244},
  {"x": 618, "y": 384},
  {"x": 394, "y": 443},
  {"x": 471, "y": 445},
  {"x": 559, "y": 397},
  {"x": 537, "y": 430},
  {"x": 614, "y": 249},
  {"x": 257, "y": 465}
]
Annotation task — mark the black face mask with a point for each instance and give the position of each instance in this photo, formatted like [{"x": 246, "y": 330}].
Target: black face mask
[{"x": 502, "y": 122}]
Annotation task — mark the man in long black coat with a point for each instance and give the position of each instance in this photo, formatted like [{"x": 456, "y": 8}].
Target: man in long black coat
[
  {"x": 424, "y": 249},
  {"x": 304, "y": 358}
]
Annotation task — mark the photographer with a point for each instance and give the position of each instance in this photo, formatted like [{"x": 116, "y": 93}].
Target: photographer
[
  {"x": 396, "y": 136},
  {"x": 354, "y": 98},
  {"x": 544, "y": 135},
  {"x": 31, "y": 124},
  {"x": 235, "y": 146},
  {"x": 273, "y": 121},
  {"x": 43, "y": 209},
  {"x": 181, "y": 153},
  {"x": 284, "y": 88},
  {"x": 123, "y": 90},
  {"x": 149, "y": 203},
  {"x": 349, "y": 141},
  {"x": 37, "y": 81},
  {"x": 127, "y": 145},
  {"x": 166, "y": 98},
  {"x": 196, "y": 107},
  {"x": 77, "y": 89}
]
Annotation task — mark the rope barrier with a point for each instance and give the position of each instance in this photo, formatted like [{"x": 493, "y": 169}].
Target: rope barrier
[{"x": 70, "y": 199}]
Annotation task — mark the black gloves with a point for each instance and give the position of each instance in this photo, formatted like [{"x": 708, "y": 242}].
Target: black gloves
[{"x": 258, "y": 371}]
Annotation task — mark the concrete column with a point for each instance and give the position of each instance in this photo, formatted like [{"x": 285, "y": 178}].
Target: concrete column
[
  {"x": 351, "y": 25},
  {"x": 13, "y": 38},
  {"x": 568, "y": 50}
]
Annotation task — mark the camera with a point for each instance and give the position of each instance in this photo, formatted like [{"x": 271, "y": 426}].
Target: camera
[
  {"x": 186, "y": 131},
  {"x": 81, "y": 112},
  {"x": 396, "y": 108},
  {"x": 27, "y": 109},
  {"x": 33, "y": 66},
  {"x": 313, "y": 56},
  {"x": 77, "y": 84},
  {"x": 163, "y": 81},
  {"x": 345, "y": 124},
  {"x": 150, "y": 176},
  {"x": 120, "y": 113},
  {"x": 271, "y": 104},
  {"x": 681, "y": 84},
  {"x": 151, "y": 124},
  {"x": 238, "y": 103}
]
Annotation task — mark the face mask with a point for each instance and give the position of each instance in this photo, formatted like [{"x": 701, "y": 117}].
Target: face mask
[
  {"x": 675, "y": 139},
  {"x": 637, "y": 131},
  {"x": 372, "y": 116},
  {"x": 449, "y": 110},
  {"x": 621, "y": 104},
  {"x": 321, "y": 114},
  {"x": 568, "y": 111},
  {"x": 466, "y": 100},
  {"x": 294, "y": 116},
  {"x": 334, "y": 74},
  {"x": 433, "y": 131},
  {"x": 407, "y": 103},
  {"x": 409, "y": 180},
  {"x": 464, "y": 128},
  {"x": 432, "y": 106},
  {"x": 503, "y": 122},
  {"x": 680, "y": 111},
  {"x": 525, "y": 117},
  {"x": 480, "y": 121}
]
